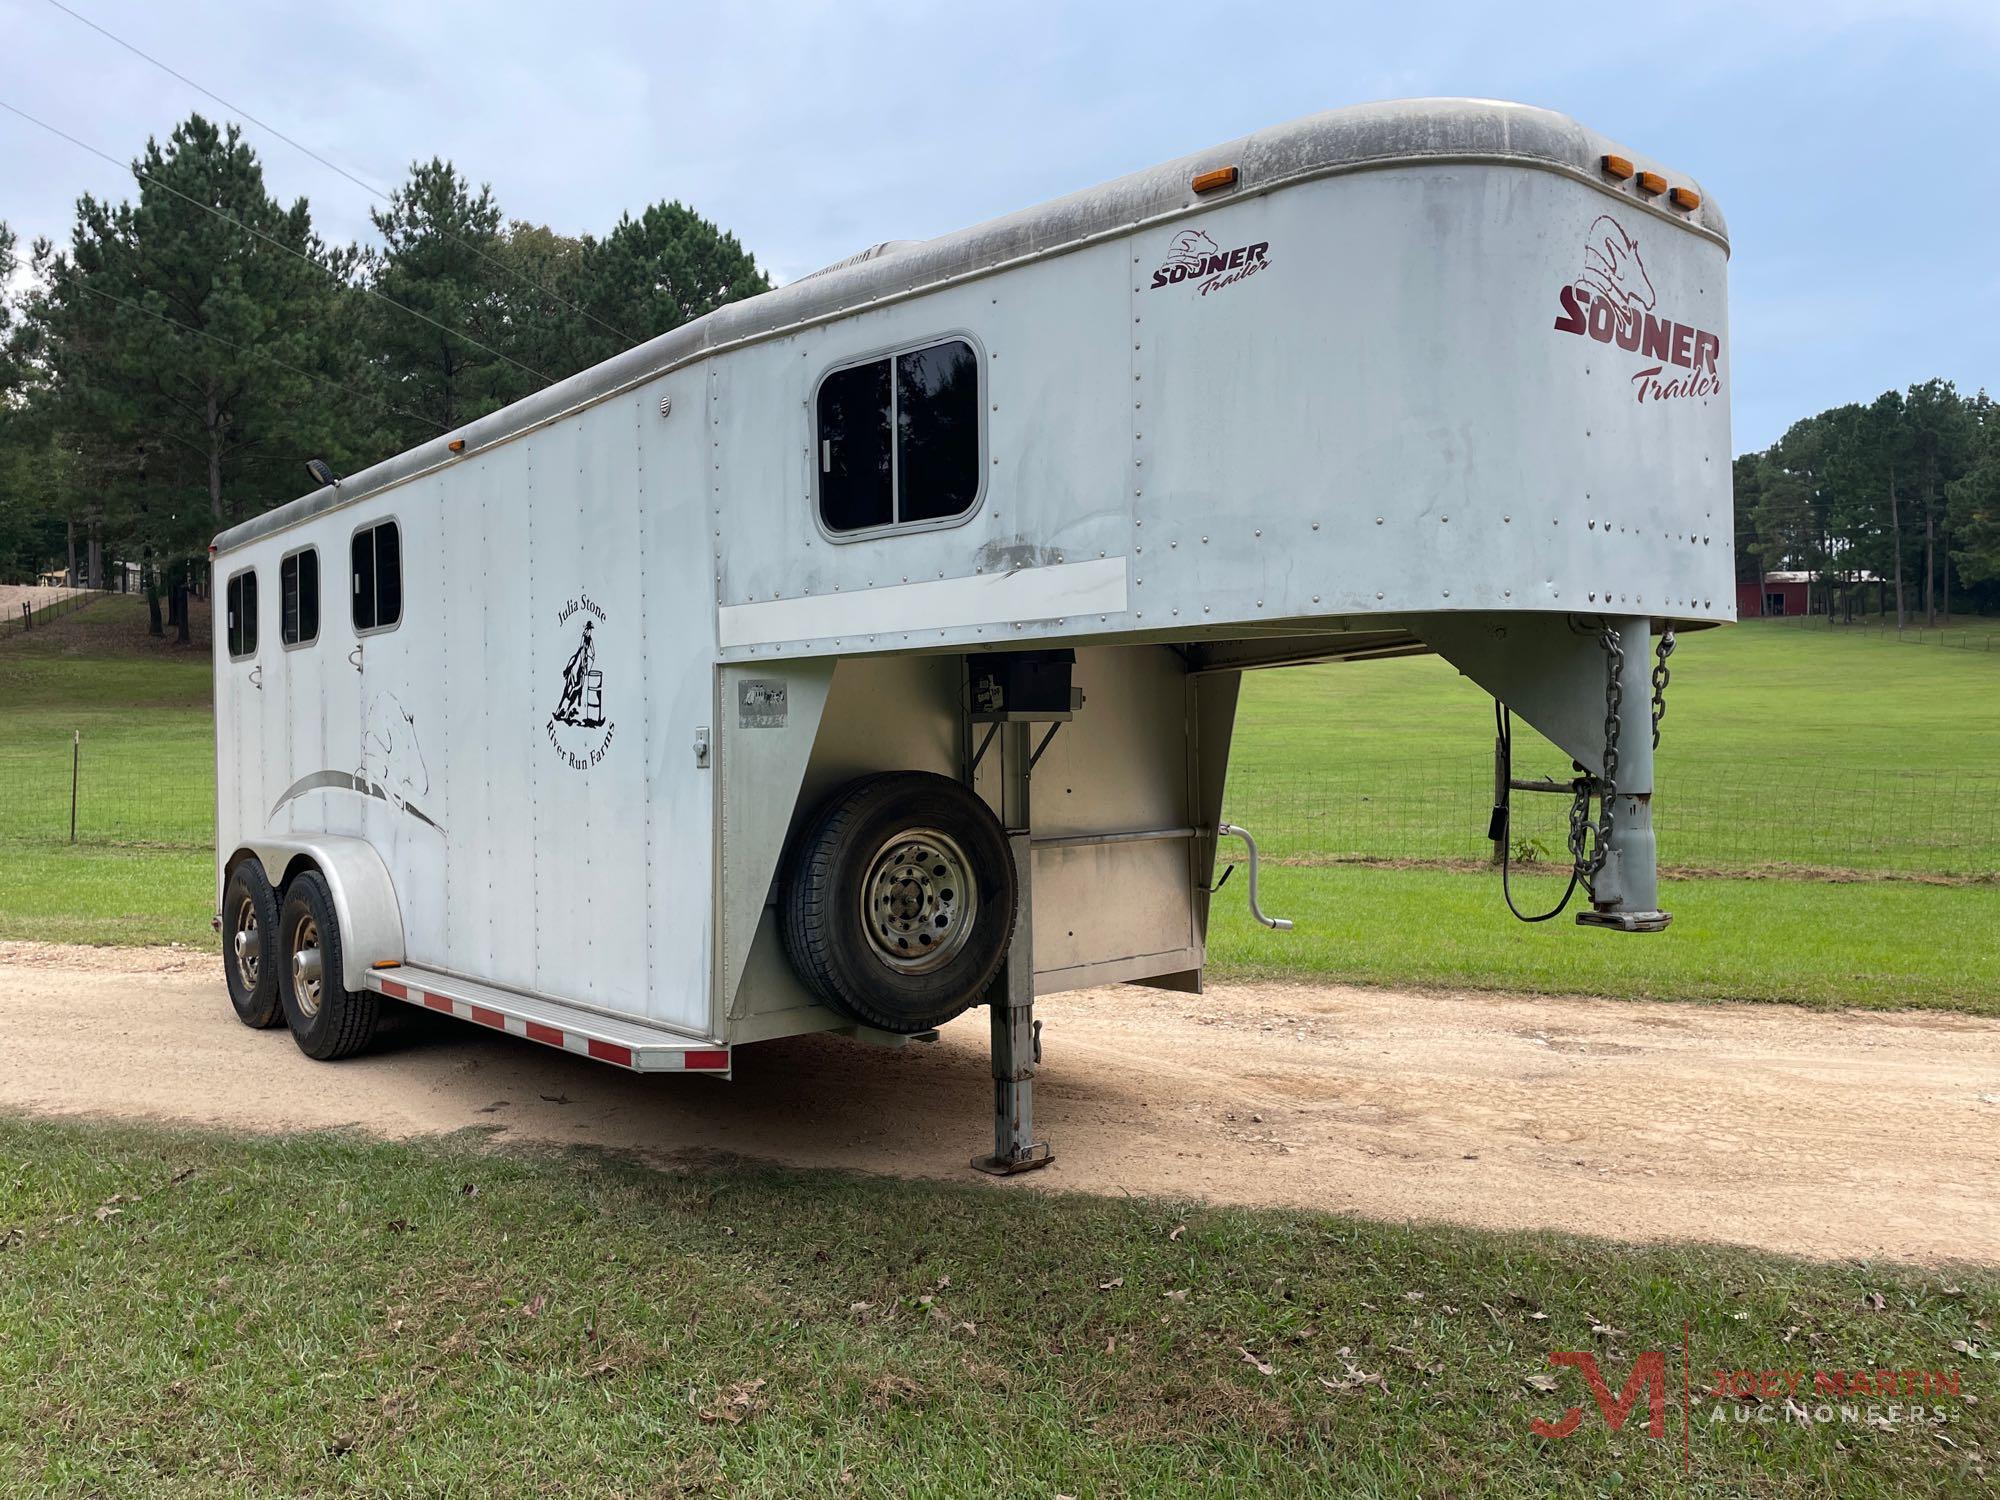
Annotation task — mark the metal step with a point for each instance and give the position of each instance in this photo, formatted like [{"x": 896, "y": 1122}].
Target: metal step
[{"x": 622, "y": 1043}]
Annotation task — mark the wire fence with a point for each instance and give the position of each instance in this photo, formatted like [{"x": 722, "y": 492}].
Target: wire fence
[
  {"x": 1969, "y": 633},
  {"x": 1764, "y": 814},
  {"x": 119, "y": 790},
  {"x": 1792, "y": 813},
  {"x": 26, "y": 615}
]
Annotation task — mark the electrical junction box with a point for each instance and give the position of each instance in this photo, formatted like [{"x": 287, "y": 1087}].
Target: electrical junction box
[{"x": 1023, "y": 686}]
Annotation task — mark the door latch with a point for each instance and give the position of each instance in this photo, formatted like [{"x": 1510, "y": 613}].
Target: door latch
[{"x": 701, "y": 748}]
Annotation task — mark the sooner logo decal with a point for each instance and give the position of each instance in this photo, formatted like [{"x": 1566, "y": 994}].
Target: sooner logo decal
[
  {"x": 1612, "y": 301},
  {"x": 1194, "y": 256}
]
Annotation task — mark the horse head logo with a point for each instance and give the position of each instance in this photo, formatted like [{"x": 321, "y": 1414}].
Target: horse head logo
[
  {"x": 1191, "y": 250},
  {"x": 1613, "y": 270},
  {"x": 392, "y": 760}
]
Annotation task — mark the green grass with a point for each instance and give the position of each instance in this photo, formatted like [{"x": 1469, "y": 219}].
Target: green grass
[
  {"x": 147, "y": 759},
  {"x": 1876, "y": 944},
  {"x": 1761, "y": 690},
  {"x": 1783, "y": 744},
  {"x": 56, "y": 894},
  {"x": 194, "y": 1315}
]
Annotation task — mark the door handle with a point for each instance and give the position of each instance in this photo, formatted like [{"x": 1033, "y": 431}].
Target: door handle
[
  {"x": 257, "y": 677},
  {"x": 354, "y": 657}
]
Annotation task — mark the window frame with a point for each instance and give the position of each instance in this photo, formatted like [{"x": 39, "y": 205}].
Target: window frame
[
  {"x": 402, "y": 594},
  {"x": 891, "y": 352},
  {"x": 229, "y": 607},
  {"x": 319, "y": 584}
]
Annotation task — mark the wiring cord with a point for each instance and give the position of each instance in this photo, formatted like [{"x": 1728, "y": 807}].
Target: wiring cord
[
  {"x": 1503, "y": 818},
  {"x": 273, "y": 240},
  {"x": 216, "y": 338},
  {"x": 366, "y": 187}
]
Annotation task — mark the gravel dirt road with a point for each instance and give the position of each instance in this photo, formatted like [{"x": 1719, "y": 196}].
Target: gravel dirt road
[{"x": 1830, "y": 1135}]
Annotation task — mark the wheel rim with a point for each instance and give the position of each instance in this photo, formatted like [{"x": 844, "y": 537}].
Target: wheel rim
[
  {"x": 919, "y": 903},
  {"x": 247, "y": 939},
  {"x": 306, "y": 975}
]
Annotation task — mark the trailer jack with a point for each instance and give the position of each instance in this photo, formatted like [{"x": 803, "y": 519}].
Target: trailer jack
[{"x": 1017, "y": 1041}]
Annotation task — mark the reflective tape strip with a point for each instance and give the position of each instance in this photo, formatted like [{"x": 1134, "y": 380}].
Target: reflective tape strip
[{"x": 664, "y": 1059}]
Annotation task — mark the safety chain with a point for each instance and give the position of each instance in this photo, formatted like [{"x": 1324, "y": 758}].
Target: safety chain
[
  {"x": 1588, "y": 865},
  {"x": 1662, "y": 649}
]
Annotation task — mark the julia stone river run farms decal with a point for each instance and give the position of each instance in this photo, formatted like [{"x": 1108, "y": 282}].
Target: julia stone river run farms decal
[
  {"x": 1612, "y": 301},
  {"x": 577, "y": 727}
]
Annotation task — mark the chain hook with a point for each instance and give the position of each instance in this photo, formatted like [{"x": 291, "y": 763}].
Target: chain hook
[{"x": 1662, "y": 649}]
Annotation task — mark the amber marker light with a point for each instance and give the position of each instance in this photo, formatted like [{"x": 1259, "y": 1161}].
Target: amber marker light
[
  {"x": 456, "y": 445},
  {"x": 1220, "y": 177},
  {"x": 1617, "y": 166},
  {"x": 1686, "y": 198},
  {"x": 1652, "y": 182}
]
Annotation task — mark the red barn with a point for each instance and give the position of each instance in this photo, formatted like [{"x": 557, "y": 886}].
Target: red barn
[{"x": 1778, "y": 594}]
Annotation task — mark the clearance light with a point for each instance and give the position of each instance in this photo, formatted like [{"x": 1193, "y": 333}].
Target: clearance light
[
  {"x": 1686, "y": 198},
  {"x": 387, "y": 963},
  {"x": 456, "y": 445},
  {"x": 1652, "y": 182},
  {"x": 1220, "y": 177},
  {"x": 1617, "y": 166}
]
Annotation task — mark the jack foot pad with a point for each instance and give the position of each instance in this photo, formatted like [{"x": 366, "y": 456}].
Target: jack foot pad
[
  {"x": 1037, "y": 1155},
  {"x": 1626, "y": 921}
]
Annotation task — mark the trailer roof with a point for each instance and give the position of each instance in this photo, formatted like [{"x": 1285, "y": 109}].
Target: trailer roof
[{"x": 1342, "y": 140}]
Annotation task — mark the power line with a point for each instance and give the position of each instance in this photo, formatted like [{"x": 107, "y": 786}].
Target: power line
[
  {"x": 271, "y": 239},
  {"x": 326, "y": 380},
  {"x": 365, "y": 186}
]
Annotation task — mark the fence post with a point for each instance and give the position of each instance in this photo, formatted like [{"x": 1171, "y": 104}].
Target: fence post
[{"x": 75, "y": 764}]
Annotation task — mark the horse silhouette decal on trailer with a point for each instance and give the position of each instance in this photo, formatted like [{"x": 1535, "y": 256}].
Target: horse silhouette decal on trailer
[{"x": 583, "y": 686}]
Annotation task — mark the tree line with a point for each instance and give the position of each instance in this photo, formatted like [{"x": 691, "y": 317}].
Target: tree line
[
  {"x": 167, "y": 372},
  {"x": 1892, "y": 506}
]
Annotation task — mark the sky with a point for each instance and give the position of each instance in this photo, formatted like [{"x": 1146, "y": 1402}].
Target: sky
[{"x": 1849, "y": 143}]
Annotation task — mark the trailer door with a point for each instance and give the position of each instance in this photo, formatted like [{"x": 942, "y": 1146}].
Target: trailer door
[
  {"x": 397, "y": 651},
  {"x": 244, "y": 649}
]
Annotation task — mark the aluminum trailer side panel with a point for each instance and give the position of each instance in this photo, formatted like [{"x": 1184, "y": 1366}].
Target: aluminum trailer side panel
[
  {"x": 1385, "y": 401},
  {"x": 515, "y": 747}
]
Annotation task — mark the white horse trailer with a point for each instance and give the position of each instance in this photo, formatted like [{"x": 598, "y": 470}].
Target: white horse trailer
[{"x": 869, "y": 649}]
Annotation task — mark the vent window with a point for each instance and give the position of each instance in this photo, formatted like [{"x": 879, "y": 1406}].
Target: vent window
[
  {"x": 378, "y": 577},
  {"x": 242, "y": 604},
  {"x": 298, "y": 598}
]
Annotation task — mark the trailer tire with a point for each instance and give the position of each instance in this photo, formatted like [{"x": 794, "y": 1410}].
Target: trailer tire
[
  {"x": 327, "y": 1021},
  {"x": 898, "y": 901},
  {"x": 250, "y": 945}
]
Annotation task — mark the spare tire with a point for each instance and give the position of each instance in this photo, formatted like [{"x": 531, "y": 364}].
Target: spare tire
[{"x": 898, "y": 900}]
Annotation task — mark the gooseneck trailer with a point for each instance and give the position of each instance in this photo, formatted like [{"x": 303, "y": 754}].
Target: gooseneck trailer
[{"x": 869, "y": 649}]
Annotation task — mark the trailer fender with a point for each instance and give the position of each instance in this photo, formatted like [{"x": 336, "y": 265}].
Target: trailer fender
[{"x": 364, "y": 899}]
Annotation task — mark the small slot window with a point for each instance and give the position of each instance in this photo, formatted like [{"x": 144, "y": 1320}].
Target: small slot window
[
  {"x": 898, "y": 439},
  {"x": 242, "y": 606},
  {"x": 378, "y": 577},
  {"x": 298, "y": 598}
]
